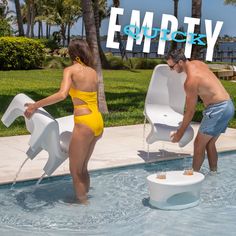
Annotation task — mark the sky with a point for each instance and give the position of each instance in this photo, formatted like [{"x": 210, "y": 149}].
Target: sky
[{"x": 214, "y": 10}]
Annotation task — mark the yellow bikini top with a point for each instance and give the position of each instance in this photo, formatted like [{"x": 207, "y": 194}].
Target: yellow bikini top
[{"x": 90, "y": 98}]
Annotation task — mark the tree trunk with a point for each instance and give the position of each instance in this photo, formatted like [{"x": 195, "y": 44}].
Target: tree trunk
[
  {"x": 63, "y": 34},
  {"x": 176, "y": 6},
  {"x": 28, "y": 20},
  {"x": 91, "y": 38},
  {"x": 82, "y": 25},
  {"x": 103, "y": 58},
  {"x": 116, "y": 3},
  {"x": 121, "y": 45},
  {"x": 32, "y": 17},
  {"x": 68, "y": 33},
  {"x": 19, "y": 18},
  {"x": 196, "y": 13},
  {"x": 39, "y": 30},
  {"x": 47, "y": 30}
]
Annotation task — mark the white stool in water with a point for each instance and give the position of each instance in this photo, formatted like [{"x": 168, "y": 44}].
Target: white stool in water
[
  {"x": 47, "y": 133},
  {"x": 177, "y": 191}
]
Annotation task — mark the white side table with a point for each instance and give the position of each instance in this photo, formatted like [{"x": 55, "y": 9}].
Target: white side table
[{"x": 177, "y": 191}]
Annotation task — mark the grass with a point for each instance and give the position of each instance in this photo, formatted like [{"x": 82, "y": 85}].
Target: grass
[{"x": 125, "y": 95}]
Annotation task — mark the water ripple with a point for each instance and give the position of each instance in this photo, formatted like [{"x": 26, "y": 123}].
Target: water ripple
[{"x": 119, "y": 205}]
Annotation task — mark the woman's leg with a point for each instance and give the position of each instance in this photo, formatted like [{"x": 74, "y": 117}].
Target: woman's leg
[
  {"x": 85, "y": 167},
  {"x": 81, "y": 140}
]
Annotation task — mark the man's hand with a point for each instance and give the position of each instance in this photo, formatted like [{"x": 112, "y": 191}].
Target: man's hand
[
  {"x": 175, "y": 136},
  {"x": 30, "y": 110}
]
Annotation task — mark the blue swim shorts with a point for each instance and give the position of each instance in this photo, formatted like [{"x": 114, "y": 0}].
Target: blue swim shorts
[{"x": 216, "y": 118}]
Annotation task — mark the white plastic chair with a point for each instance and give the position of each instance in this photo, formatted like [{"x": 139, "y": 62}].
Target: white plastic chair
[
  {"x": 164, "y": 105},
  {"x": 47, "y": 133}
]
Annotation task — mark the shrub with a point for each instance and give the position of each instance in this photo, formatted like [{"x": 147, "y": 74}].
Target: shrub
[
  {"x": 143, "y": 63},
  {"x": 55, "y": 62},
  {"x": 49, "y": 43},
  {"x": 116, "y": 63},
  {"x": 5, "y": 28},
  {"x": 19, "y": 53},
  {"x": 63, "y": 52}
]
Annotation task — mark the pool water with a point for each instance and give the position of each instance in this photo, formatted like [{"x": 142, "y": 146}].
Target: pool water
[{"x": 119, "y": 204}]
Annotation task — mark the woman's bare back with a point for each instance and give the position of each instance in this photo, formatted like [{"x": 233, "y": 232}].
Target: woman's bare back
[{"x": 84, "y": 78}]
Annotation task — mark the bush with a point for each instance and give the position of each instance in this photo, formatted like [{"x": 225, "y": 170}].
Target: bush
[
  {"x": 49, "y": 43},
  {"x": 63, "y": 52},
  {"x": 55, "y": 62},
  {"x": 5, "y": 28},
  {"x": 19, "y": 53},
  {"x": 143, "y": 63},
  {"x": 116, "y": 63}
]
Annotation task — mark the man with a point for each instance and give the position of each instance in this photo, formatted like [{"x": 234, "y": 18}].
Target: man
[{"x": 219, "y": 108}]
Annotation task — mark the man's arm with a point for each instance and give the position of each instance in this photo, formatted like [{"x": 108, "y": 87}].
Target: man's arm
[{"x": 191, "y": 101}]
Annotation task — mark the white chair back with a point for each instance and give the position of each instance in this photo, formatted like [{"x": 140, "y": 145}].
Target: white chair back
[{"x": 167, "y": 88}]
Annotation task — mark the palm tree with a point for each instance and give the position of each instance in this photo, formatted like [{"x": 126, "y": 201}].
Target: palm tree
[
  {"x": 196, "y": 13},
  {"x": 100, "y": 12},
  {"x": 39, "y": 16},
  {"x": 116, "y": 3},
  {"x": 5, "y": 19},
  {"x": 63, "y": 13},
  {"x": 28, "y": 16},
  {"x": 30, "y": 13},
  {"x": 19, "y": 18},
  {"x": 91, "y": 38},
  {"x": 73, "y": 12},
  {"x": 48, "y": 16},
  {"x": 176, "y": 6}
]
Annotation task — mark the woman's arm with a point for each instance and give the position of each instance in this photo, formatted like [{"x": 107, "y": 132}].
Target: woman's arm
[{"x": 55, "y": 98}]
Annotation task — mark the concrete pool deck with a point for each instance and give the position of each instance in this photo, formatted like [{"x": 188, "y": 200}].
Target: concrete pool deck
[{"x": 119, "y": 146}]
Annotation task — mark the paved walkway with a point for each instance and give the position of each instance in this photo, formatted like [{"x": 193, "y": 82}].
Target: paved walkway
[{"x": 119, "y": 146}]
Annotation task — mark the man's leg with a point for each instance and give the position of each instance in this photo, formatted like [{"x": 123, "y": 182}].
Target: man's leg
[
  {"x": 200, "y": 143},
  {"x": 212, "y": 154}
]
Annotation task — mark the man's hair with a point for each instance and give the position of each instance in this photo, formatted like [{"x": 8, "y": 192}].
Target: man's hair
[{"x": 176, "y": 55}]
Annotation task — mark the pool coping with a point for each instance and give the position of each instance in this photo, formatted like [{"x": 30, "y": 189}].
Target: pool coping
[
  {"x": 53, "y": 178},
  {"x": 120, "y": 146}
]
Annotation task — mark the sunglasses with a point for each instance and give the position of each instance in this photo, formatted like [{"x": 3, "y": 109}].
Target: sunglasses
[{"x": 172, "y": 67}]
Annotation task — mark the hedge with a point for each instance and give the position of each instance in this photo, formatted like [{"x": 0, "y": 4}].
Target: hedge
[
  {"x": 19, "y": 53},
  {"x": 116, "y": 63}
]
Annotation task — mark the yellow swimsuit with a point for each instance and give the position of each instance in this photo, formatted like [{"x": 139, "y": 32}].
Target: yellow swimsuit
[{"x": 94, "y": 119}]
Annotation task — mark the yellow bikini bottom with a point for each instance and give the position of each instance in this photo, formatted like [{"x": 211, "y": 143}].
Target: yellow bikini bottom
[{"x": 93, "y": 120}]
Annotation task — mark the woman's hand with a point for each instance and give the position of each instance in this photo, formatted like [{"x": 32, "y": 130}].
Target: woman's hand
[{"x": 30, "y": 110}]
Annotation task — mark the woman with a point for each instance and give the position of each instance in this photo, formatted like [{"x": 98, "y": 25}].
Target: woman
[{"x": 81, "y": 82}]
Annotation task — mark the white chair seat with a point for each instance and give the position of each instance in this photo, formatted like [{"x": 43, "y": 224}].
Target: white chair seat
[{"x": 162, "y": 114}]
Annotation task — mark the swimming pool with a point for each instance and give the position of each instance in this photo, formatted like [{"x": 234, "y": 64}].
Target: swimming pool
[{"x": 119, "y": 204}]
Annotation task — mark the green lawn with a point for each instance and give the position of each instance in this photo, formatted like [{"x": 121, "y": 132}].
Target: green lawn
[{"x": 125, "y": 95}]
